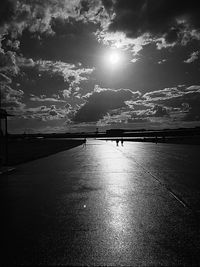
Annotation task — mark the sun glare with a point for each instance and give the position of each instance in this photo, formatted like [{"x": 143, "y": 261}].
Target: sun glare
[{"x": 114, "y": 58}]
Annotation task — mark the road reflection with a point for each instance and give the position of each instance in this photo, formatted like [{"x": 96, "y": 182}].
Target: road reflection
[{"x": 117, "y": 172}]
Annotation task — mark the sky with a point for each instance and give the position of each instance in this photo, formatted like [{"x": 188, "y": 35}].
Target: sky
[{"x": 78, "y": 65}]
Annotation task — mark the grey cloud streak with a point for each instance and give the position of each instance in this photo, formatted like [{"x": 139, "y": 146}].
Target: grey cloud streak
[{"x": 177, "y": 100}]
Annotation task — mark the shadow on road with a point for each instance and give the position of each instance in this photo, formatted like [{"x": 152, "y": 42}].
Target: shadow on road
[{"x": 20, "y": 151}]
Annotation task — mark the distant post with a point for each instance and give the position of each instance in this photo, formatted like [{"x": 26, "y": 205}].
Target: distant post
[{"x": 3, "y": 137}]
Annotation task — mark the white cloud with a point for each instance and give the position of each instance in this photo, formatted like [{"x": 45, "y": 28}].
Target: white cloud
[
  {"x": 193, "y": 88},
  {"x": 70, "y": 72},
  {"x": 8, "y": 62},
  {"x": 162, "y": 61},
  {"x": 193, "y": 56},
  {"x": 46, "y": 99}
]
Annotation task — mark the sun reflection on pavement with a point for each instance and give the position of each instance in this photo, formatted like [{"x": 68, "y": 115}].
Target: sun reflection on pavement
[{"x": 116, "y": 176}]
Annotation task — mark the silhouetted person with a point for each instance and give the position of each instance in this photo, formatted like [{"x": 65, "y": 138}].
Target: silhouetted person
[
  {"x": 117, "y": 142},
  {"x": 122, "y": 142},
  {"x": 84, "y": 142}
]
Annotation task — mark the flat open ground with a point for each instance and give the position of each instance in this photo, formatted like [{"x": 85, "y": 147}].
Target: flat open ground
[
  {"x": 20, "y": 151},
  {"x": 136, "y": 205}
]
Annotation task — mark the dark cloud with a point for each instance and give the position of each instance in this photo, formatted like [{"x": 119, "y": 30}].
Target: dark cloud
[
  {"x": 170, "y": 104},
  {"x": 172, "y": 35},
  {"x": 108, "y": 4},
  {"x": 102, "y": 101},
  {"x": 51, "y": 78},
  {"x": 68, "y": 106},
  {"x": 32, "y": 81},
  {"x": 84, "y": 6},
  {"x": 159, "y": 111},
  {"x": 4, "y": 79},
  {"x": 7, "y": 11},
  {"x": 11, "y": 99},
  {"x": 163, "y": 17},
  {"x": 45, "y": 17},
  {"x": 53, "y": 112},
  {"x": 193, "y": 113},
  {"x": 75, "y": 38}
]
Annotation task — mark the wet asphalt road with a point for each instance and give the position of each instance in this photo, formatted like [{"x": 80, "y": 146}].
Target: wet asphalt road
[{"x": 136, "y": 205}]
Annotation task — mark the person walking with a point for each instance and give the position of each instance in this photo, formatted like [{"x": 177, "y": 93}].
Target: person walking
[
  {"x": 122, "y": 142},
  {"x": 117, "y": 142},
  {"x": 84, "y": 142}
]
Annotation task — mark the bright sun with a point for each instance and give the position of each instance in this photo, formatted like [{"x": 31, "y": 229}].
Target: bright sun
[{"x": 114, "y": 58}]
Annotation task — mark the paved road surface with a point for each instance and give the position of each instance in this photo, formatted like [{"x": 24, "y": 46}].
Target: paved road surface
[{"x": 101, "y": 204}]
